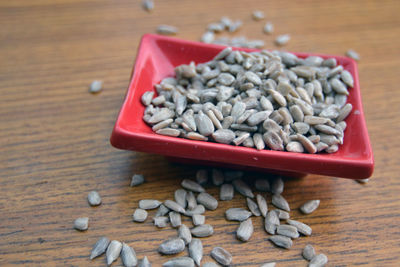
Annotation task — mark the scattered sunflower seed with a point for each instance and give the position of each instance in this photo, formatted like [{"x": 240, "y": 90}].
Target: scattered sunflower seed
[
  {"x": 287, "y": 230},
  {"x": 128, "y": 256},
  {"x": 196, "y": 250},
  {"x": 302, "y": 228},
  {"x": 175, "y": 219},
  {"x": 148, "y": 5},
  {"x": 171, "y": 246},
  {"x": 217, "y": 177},
  {"x": 282, "y": 39},
  {"x": 184, "y": 234},
  {"x": 179, "y": 262},
  {"x": 208, "y": 201},
  {"x": 162, "y": 211},
  {"x": 280, "y": 202},
  {"x": 222, "y": 256},
  {"x": 277, "y": 186},
  {"x": 262, "y": 185},
  {"x": 245, "y": 230},
  {"x": 113, "y": 251},
  {"x": 202, "y": 177},
  {"x": 210, "y": 264},
  {"x": 140, "y": 215},
  {"x": 268, "y": 28},
  {"x": 94, "y": 198},
  {"x": 207, "y": 37},
  {"x": 100, "y": 247},
  {"x": 282, "y": 215},
  {"x": 309, "y": 206},
  {"x": 258, "y": 15},
  {"x": 161, "y": 221},
  {"x": 172, "y": 205},
  {"x": 308, "y": 252},
  {"x": 242, "y": 188},
  {"x": 226, "y": 192},
  {"x": 180, "y": 197},
  {"x": 271, "y": 222},
  {"x": 198, "y": 219},
  {"x": 145, "y": 262},
  {"x": 199, "y": 209},
  {"x": 137, "y": 179},
  {"x": 237, "y": 214},
  {"x": 203, "y": 230},
  {"x": 149, "y": 204},
  {"x": 191, "y": 200},
  {"x": 262, "y": 205},
  {"x": 253, "y": 207},
  {"x": 270, "y": 264},
  {"x": 192, "y": 186},
  {"x": 167, "y": 30},
  {"x": 95, "y": 87},
  {"x": 81, "y": 224},
  {"x": 353, "y": 54},
  {"x": 318, "y": 261},
  {"x": 281, "y": 241}
]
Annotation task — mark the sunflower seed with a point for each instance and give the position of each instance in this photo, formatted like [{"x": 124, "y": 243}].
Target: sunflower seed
[
  {"x": 282, "y": 39},
  {"x": 167, "y": 30},
  {"x": 169, "y": 132},
  {"x": 273, "y": 140},
  {"x": 202, "y": 177},
  {"x": 363, "y": 181},
  {"x": 282, "y": 215},
  {"x": 258, "y": 117},
  {"x": 309, "y": 206},
  {"x": 353, "y": 54},
  {"x": 203, "y": 230},
  {"x": 160, "y": 221},
  {"x": 95, "y": 87},
  {"x": 302, "y": 228},
  {"x": 338, "y": 86},
  {"x": 100, "y": 247},
  {"x": 222, "y": 256},
  {"x": 180, "y": 197},
  {"x": 280, "y": 202},
  {"x": 191, "y": 200},
  {"x": 258, "y": 15},
  {"x": 137, "y": 179},
  {"x": 223, "y": 54},
  {"x": 237, "y": 214},
  {"x": 172, "y": 205},
  {"x": 199, "y": 209},
  {"x": 175, "y": 219},
  {"x": 179, "y": 262},
  {"x": 196, "y": 250},
  {"x": 326, "y": 129},
  {"x": 262, "y": 205},
  {"x": 192, "y": 186},
  {"x": 344, "y": 112},
  {"x": 214, "y": 119},
  {"x": 184, "y": 234},
  {"x": 253, "y": 207},
  {"x": 210, "y": 264},
  {"x": 287, "y": 230},
  {"x": 240, "y": 139},
  {"x": 171, "y": 246},
  {"x": 144, "y": 263},
  {"x": 226, "y": 192},
  {"x": 223, "y": 136},
  {"x": 158, "y": 100},
  {"x": 162, "y": 210},
  {"x": 81, "y": 224},
  {"x": 270, "y": 264},
  {"x": 204, "y": 124},
  {"x": 94, "y": 198},
  {"x": 245, "y": 230},
  {"x": 140, "y": 215},
  {"x": 208, "y": 201},
  {"x": 198, "y": 219},
  {"x": 149, "y": 204},
  {"x": 162, "y": 124},
  {"x": 148, "y": 5},
  {"x": 277, "y": 186},
  {"x": 268, "y": 28},
  {"x": 207, "y": 37},
  {"x": 128, "y": 256},
  {"x": 308, "y": 252},
  {"x": 295, "y": 147},
  {"x": 217, "y": 177},
  {"x": 242, "y": 188},
  {"x": 318, "y": 261},
  {"x": 281, "y": 241},
  {"x": 113, "y": 251}
]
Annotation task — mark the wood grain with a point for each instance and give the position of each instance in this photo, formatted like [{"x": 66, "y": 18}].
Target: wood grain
[{"x": 54, "y": 135}]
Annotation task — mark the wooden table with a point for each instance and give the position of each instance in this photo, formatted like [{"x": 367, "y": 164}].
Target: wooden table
[{"x": 55, "y": 135}]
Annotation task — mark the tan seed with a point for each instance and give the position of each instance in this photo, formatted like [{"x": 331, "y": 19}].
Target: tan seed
[
  {"x": 222, "y": 256},
  {"x": 281, "y": 241}
]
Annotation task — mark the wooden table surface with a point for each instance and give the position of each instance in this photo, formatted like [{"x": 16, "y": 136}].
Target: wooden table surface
[{"x": 54, "y": 135}]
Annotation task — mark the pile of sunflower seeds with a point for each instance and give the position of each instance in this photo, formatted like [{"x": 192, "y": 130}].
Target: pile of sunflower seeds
[{"x": 273, "y": 100}]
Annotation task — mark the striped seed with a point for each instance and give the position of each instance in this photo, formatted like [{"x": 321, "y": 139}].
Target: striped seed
[
  {"x": 171, "y": 246},
  {"x": 280, "y": 202},
  {"x": 262, "y": 205},
  {"x": 191, "y": 200},
  {"x": 308, "y": 252},
  {"x": 175, "y": 219},
  {"x": 237, "y": 214},
  {"x": 149, "y": 204},
  {"x": 203, "y": 230},
  {"x": 140, "y": 215},
  {"x": 309, "y": 206},
  {"x": 81, "y": 224},
  {"x": 318, "y": 261},
  {"x": 245, "y": 230},
  {"x": 192, "y": 186},
  {"x": 208, "y": 201},
  {"x": 196, "y": 250},
  {"x": 180, "y": 197},
  {"x": 287, "y": 230},
  {"x": 271, "y": 222},
  {"x": 113, "y": 251},
  {"x": 242, "y": 188},
  {"x": 281, "y": 241},
  {"x": 184, "y": 234},
  {"x": 277, "y": 186},
  {"x": 253, "y": 207},
  {"x": 128, "y": 256},
  {"x": 100, "y": 247},
  {"x": 94, "y": 198},
  {"x": 199, "y": 209},
  {"x": 226, "y": 192},
  {"x": 282, "y": 215},
  {"x": 222, "y": 256}
]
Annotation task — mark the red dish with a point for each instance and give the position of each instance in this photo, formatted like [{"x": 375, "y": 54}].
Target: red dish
[{"x": 156, "y": 59}]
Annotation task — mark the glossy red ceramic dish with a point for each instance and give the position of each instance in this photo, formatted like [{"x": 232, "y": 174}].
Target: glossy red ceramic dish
[{"x": 156, "y": 59}]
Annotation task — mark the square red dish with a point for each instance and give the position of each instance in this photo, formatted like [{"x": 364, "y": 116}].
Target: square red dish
[{"x": 156, "y": 59}]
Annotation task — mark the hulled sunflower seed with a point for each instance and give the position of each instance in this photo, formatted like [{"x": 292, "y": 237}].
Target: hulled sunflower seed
[
  {"x": 262, "y": 185},
  {"x": 344, "y": 112},
  {"x": 208, "y": 201},
  {"x": 167, "y": 30},
  {"x": 196, "y": 136},
  {"x": 161, "y": 125},
  {"x": 175, "y": 219},
  {"x": 147, "y": 97},
  {"x": 257, "y": 15},
  {"x": 171, "y": 246},
  {"x": 245, "y": 230},
  {"x": 184, "y": 234},
  {"x": 347, "y": 78},
  {"x": 282, "y": 39},
  {"x": 363, "y": 181},
  {"x": 242, "y": 188},
  {"x": 253, "y": 207},
  {"x": 113, "y": 251},
  {"x": 287, "y": 230},
  {"x": 258, "y": 141},
  {"x": 191, "y": 200},
  {"x": 198, "y": 219},
  {"x": 199, "y": 209},
  {"x": 128, "y": 256},
  {"x": 161, "y": 221},
  {"x": 100, "y": 247},
  {"x": 237, "y": 214},
  {"x": 140, "y": 215},
  {"x": 277, "y": 186},
  {"x": 203, "y": 230},
  {"x": 270, "y": 264},
  {"x": 353, "y": 54},
  {"x": 137, "y": 179},
  {"x": 149, "y": 204},
  {"x": 222, "y": 256},
  {"x": 240, "y": 139},
  {"x": 207, "y": 37},
  {"x": 273, "y": 140},
  {"x": 196, "y": 250},
  {"x": 262, "y": 205},
  {"x": 280, "y": 202},
  {"x": 81, "y": 224},
  {"x": 210, "y": 264},
  {"x": 318, "y": 261},
  {"x": 295, "y": 146},
  {"x": 94, "y": 198},
  {"x": 180, "y": 197},
  {"x": 162, "y": 210},
  {"x": 282, "y": 215},
  {"x": 169, "y": 132},
  {"x": 310, "y": 206},
  {"x": 95, "y": 87},
  {"x": 268, "y": 28},
  {"x": 217, "y": 177},
  {"x": 271, "y": 222},
  {"x": 301, "y": 227},
  {"x": 223, "y": 136},
  {"x": 179, "y": 262},
  {"x": 172, "y": 205},
  {"x": 145, "y": 262},
  {"x": 204, "y": 124},
  {"x": 308, "y": 252},
  {"x": 147, "y": 5},
  {"x": 202, "y": 177},
  {"x": 192, "y": 186},
  {"x": 307, "y": 144},
  {"x": 281, "y": 241},
  {"x": 226, "y": 192}
]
